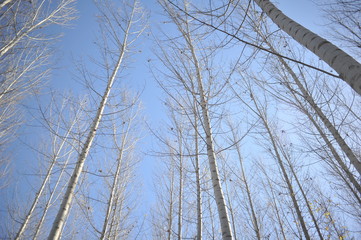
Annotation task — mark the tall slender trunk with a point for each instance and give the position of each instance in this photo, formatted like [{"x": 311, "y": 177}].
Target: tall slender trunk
[
  {"x": 305, "y": 198},
  {"x": 68, "y": 197},
  {"x": 170, "y": 210},
  {"x": 180, "y": 196},
  {"x": 335, "y": 133},
  {"x": 198, "y": 181},
  {"x": 284, "y": 172},
  {"x": 51, "y": 197},
  {"x": 197, "y": 167},
  {"x": 217, "y": 188},
  {"x": 248, "y": 191},
  {"x": 45, "y": 181},
  {"x": 279, "y": 218},
  {"x": 5, "y": 2},
  {"x": 112, "y": 196},
  {"x": 332, "y": 129},
  {"x": 347, "y": 67}
]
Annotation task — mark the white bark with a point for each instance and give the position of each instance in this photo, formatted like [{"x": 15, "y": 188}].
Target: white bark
[
  {"x": 332, "y": 129},
  {"x": 282, "y": 167},
  {"x": 171, "y": 202},
  {"x": 62, "y": 13},
  {"x": 180, "y": 196},
  {"x": 183, "y": 27},
  {"x": 4, "y": 3},
  {"x": 43, "y": 185},
  {"x": 67, "y": 200},
  {"x": 217, "y": 188},
  {"x": 348, "y": 68},
  {"x": 198, "y": 180},
  {"x": 112, "y": 196},
  {"x": 255, "y": 223}
]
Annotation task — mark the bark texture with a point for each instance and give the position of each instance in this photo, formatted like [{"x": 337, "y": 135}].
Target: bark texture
[{"x": 348, "y": 68}]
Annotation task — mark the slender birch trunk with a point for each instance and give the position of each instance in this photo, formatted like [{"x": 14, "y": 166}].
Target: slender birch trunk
[
  {"x": 332, "y": 129},
  {"x": 112, "y": 196},
  {"x": 335, "y": 133},
  {"x": 248, "y": 191},
  {"x": 198, "y": 180},
  {"x": 68, "y": 197},
  {"x": 180, "y": 196},
  {"x": 229, "y": 205},
  {"x": 43, "y": 185},
  {"x": 306, "y": 200},
  {"x": 51, "y": 197},
  {"x": 170, "y": 210},
  {"x": 217, "y": 188},
  {"x": 348, "y": 68},
  {"x": 283, "y": 170},
  {"x": 4, "y": 3},
  {"x": 277, "y": 211},
  {"x": 183, "y": 27}
]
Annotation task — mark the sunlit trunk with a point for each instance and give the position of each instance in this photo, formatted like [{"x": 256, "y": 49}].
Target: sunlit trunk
[{"x": 348, "y": 68}]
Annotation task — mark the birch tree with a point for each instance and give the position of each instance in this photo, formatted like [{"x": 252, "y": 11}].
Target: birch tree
[
  {"x": 286, "y": 177},
  {"x": 348, "y": 68},
  {"x": 196, "y": 76},
  {"x": 122, "y": 29},
  {"x": 62, "y": 138},
  {"x": 236, "y": 142},
  {"x": 117, "y": 221},
  {"x": 24, "y": 58}
]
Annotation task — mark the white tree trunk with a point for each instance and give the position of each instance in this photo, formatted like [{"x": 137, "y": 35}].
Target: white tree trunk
[
  {"x": 180, "y": 196},
  {"x": 255, "y": 223},
  {"x": 348, "y": 68},
  {"x": 216, "y": 183},
  {"x": 332, "y": 129},
  {"x": 68, "y": 197},
  {"x": 43, "y": 185},
  {"x": 282, "y": 167},
  {"x": 112, "y": 196},
  {"x": 198, "y": 180},
  {"x": 5, "y": 2}
]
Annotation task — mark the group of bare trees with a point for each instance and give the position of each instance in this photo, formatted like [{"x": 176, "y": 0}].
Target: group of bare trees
[
  {"x": 268, "y": 143},
  {"x": 76, "y": 128},
  {"x": 262, "y": 139}
]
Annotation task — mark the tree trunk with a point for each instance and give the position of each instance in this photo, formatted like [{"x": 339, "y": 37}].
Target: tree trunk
[
  {"x": 115, "y": 182},
  {"x": 42, "y": 187},
  {"x": 348, "y": 68},
  {"x": 198, "y": 182},
  {"x": 245, "y": 180},
  {"x": 68, "y": 197},
  {"x": 283, "y": 170},
  {"x": 180, "y": 196}
]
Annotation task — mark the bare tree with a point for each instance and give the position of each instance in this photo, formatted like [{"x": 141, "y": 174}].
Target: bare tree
[
  {"x": 61, "y": 135},
  {"x": 236, "y": 142},
  {"x": 126, "y": 23},
  {"x": 24, "y": 57},
  {"x": 31, "y": 16},
  {"x": 343, "y": 21},
  {"x": 261, "y": 112},
  {"x": 195, "y": 76},
  {"x": 117, "y": 212}
]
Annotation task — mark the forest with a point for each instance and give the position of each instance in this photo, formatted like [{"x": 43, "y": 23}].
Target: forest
[{"x": 178, "y": 119}]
